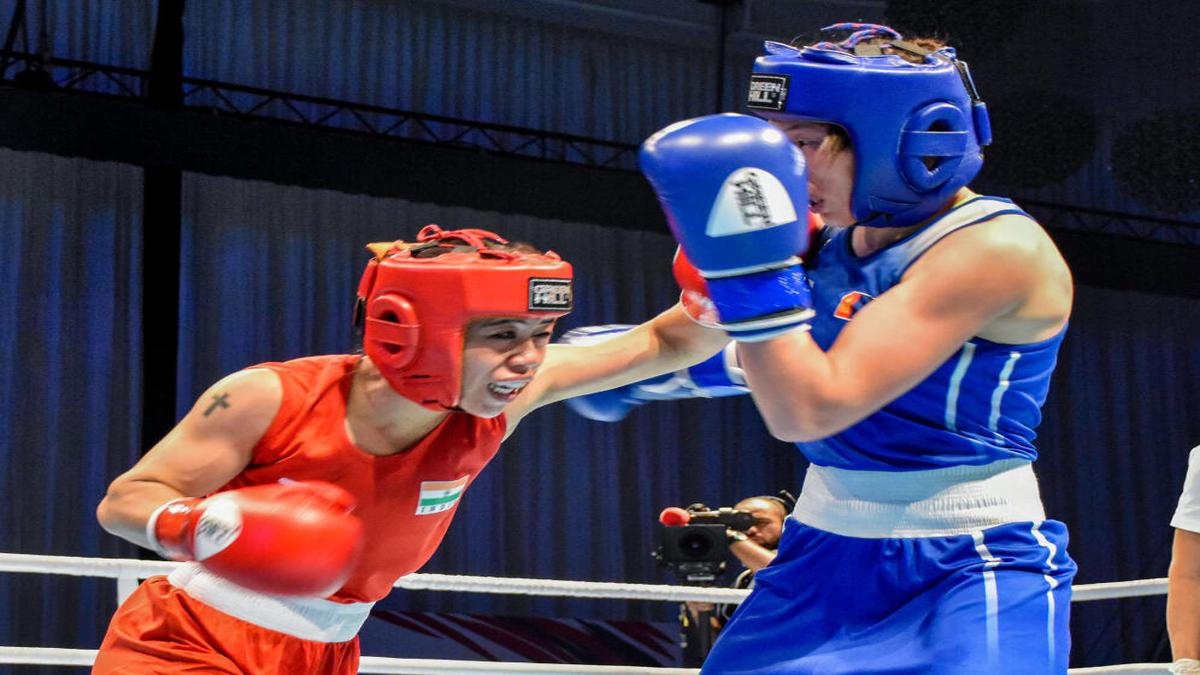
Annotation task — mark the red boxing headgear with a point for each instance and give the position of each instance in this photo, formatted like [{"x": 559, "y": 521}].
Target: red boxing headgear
[{"x": 417, "y": 299}]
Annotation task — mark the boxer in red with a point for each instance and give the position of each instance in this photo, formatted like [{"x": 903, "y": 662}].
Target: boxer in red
[{"x": 299, "y": 492}]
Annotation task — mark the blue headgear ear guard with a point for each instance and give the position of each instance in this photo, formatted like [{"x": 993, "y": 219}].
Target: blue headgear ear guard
[{"x": 916, "y": 128}]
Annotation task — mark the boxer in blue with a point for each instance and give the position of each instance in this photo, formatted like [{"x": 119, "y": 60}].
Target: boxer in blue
[{"x": 909, "y": 360}]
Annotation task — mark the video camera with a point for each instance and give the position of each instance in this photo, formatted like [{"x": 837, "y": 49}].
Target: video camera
[{"x": 693, "y": 542}]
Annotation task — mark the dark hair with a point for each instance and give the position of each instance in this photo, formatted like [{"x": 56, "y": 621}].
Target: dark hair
[
  {"x": 776, "y": 501},
  {"x": 872, "y": 41},
  {"x": 433, "y": 249}
]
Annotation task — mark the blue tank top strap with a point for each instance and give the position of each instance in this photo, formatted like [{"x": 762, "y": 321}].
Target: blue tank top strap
[{"x": 971, "y": 212}]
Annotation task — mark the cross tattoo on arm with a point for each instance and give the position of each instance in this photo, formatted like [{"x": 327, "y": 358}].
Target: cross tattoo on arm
[{"x": 219, "y": 401}]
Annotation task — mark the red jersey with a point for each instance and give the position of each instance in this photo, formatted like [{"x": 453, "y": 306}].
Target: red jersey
[{"x": 405, "y": 500}]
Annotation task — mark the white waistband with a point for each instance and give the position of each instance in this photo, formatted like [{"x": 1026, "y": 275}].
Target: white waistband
[
  {"x": 306, "y": 618},
  {"x": 933, "y": 503}
]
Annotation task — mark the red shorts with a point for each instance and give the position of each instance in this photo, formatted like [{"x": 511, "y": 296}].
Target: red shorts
[{"x": 161, "y": 629}]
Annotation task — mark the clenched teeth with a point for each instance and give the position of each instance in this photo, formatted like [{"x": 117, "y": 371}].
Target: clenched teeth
[{"x": 508, "y": 387}]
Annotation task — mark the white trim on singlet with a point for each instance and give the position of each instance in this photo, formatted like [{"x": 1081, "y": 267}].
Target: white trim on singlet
[
  {"x": 1002, "y": 383},
  {"x": 974, "y": 211},
  {"x": 960, "y": 371}
]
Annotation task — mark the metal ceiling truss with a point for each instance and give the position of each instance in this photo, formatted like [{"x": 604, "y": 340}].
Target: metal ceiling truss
[{"x": 506, "y": 140}]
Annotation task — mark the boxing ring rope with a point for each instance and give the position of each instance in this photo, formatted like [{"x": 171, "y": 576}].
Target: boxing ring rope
[
  {"x": 44, "y": 656},
  {"x": 128, "y": 572}
]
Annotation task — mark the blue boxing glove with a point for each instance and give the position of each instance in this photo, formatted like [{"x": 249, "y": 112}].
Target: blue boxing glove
[
  {"x": 735, "y": 193},
  {"x": 716, "y": 377}
]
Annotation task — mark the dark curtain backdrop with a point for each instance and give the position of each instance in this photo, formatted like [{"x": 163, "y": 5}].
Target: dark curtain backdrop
[
  {"x": 532, "y": 66},
  {"x": 70, "y": 380},
  {"x": 1121, "y": 417},
  {"x": 269, "y": 272},
  {"x": 112, "y": 32}
]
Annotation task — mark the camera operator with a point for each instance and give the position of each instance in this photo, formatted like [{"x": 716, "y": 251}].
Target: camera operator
[{"x": 755, "y": 549}]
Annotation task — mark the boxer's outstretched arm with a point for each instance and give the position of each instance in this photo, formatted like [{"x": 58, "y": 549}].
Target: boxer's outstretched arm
[
  {"x": 715, "y": 377},
  {"x": 666, "y": 343},
  {"x": 209, "y": 446}
]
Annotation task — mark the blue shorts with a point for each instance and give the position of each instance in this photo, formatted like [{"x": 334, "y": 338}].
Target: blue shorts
[{"x": 997, "y": 601}]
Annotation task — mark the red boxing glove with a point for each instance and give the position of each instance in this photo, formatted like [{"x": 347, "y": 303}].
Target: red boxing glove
[
  {"x": 815, "y": 240},
  {"x": 293, "y": 538},
  {"x": 694, "y": 296}
]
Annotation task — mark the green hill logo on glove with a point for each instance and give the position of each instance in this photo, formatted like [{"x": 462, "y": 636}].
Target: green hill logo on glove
[{"x": 749, "y": 199}]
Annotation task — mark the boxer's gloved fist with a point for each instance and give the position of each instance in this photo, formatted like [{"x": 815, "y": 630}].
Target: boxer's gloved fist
[
  {"x": 693, "y": 294},
  {"x": 288, "y": 538},
  {"x": 735, "y": 194},
  {"x": 716, "y": 377}
]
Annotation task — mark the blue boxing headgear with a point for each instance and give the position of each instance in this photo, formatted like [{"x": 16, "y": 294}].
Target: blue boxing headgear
[{"x": 916, "y": 128}]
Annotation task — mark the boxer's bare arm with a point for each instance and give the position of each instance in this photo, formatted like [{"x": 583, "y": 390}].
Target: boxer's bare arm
[
  {"x": 664, "y": 344},
  {"x": 209, "y": 446}
]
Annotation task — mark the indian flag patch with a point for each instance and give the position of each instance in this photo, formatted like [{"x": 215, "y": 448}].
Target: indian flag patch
[{"x": 440, "y": 495}]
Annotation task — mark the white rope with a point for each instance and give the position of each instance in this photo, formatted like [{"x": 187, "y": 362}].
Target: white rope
[
  {"x": 47, "y": 656},
  {"x": 44, "y": 656},
  {"x": 1119, "y": 589},
  {"x": 377, "y": 664},
  {"x": 119, "y": 568},
  {"x": 573, "y": 589},
  {"x": 112, "y": 568}
]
